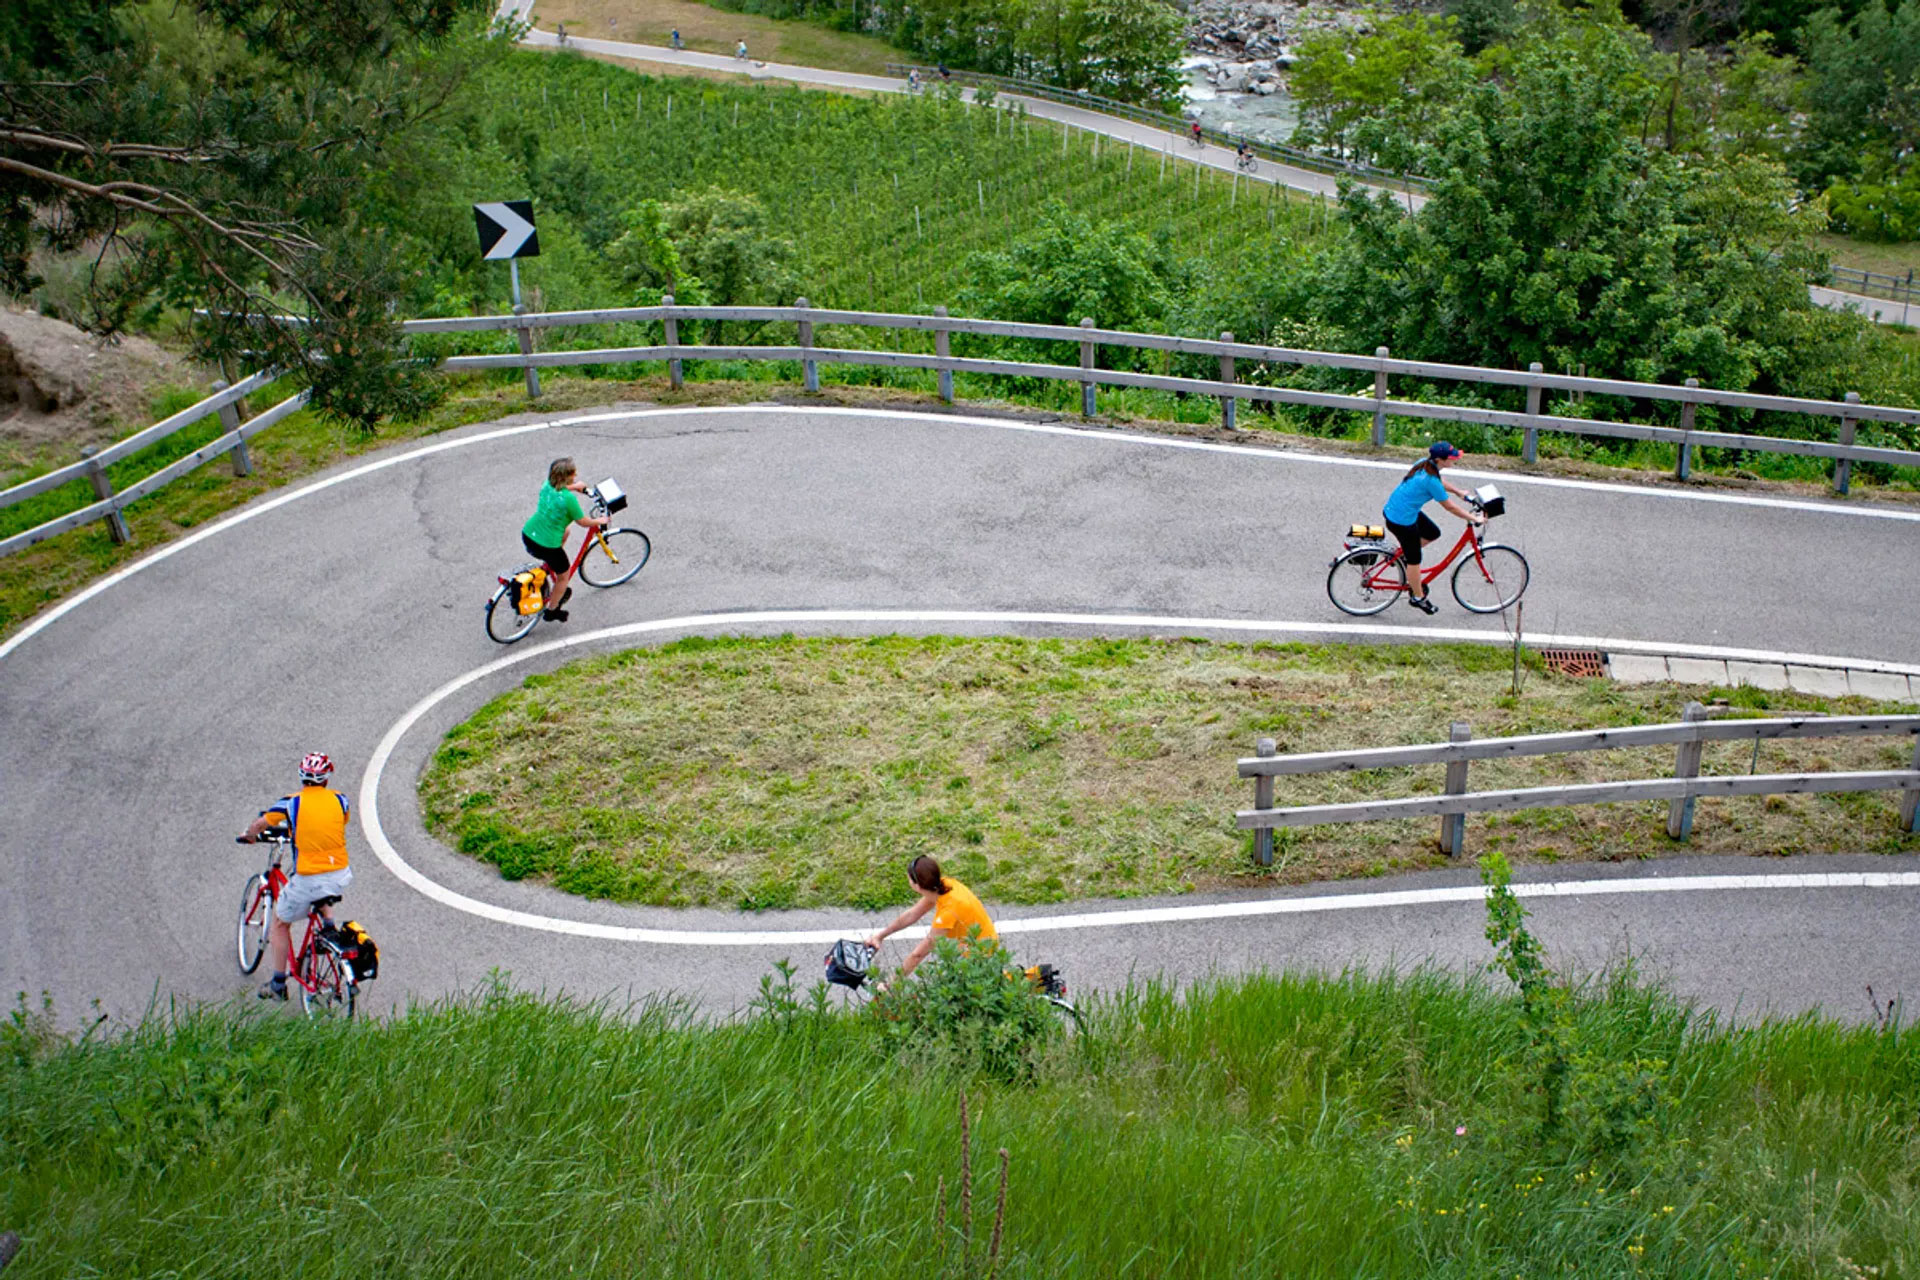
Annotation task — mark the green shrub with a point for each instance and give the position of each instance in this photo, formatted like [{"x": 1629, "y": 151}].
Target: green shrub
[{"x": 969, "y": 1008}]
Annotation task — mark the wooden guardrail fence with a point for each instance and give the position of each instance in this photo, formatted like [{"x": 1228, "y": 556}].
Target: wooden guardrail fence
[
  {"x": 1688, "y": 737},
  {"x": 1228, "y": 387}
]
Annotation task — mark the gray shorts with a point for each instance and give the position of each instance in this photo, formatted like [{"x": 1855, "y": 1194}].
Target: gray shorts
[{"x": 303, "y": 891}]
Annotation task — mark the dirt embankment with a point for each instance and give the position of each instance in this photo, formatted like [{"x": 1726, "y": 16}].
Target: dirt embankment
[{"x": 61, "y": 390}]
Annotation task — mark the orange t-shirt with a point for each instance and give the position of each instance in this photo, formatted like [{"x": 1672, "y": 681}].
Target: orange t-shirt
[{"x": 958, "y": 910}]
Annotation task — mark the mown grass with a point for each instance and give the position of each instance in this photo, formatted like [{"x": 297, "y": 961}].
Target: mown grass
[
  {"x": 1280, "y": 1125},
  {"x": 795, "y": 772}
]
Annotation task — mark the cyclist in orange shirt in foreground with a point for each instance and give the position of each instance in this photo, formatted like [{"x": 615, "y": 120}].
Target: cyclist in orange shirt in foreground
[
  {"x": 317, "y": 817},
  {"x": 955, "y": 912}
]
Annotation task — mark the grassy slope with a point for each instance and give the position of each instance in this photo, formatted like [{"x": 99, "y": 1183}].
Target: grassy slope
[
  {"x": 711, "y": 30},
  {"x": 1297, "y": 1126},
  {"x": 799, "y": 772}
]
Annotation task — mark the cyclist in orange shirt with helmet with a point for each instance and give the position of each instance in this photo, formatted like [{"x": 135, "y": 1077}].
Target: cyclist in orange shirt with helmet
[
  {"x": 317, "y": 817},
  {"x": 955, "y": 912}
]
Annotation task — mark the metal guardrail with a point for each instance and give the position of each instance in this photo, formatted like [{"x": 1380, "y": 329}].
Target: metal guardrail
[
  {"x": 1227, "y": 388},
  {"x": 1173, "y": 124},
  {"x": 1689, "y": 738}
]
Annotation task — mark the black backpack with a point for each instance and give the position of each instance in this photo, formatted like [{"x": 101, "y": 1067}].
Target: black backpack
[{"x": 848, "y": 962}]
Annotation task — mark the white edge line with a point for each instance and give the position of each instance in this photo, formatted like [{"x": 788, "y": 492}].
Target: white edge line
[
  {"x": 413, "y": 878},
  {"x": 66, "y": 606}
]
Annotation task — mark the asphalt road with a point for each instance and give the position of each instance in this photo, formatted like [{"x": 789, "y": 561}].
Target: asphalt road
[{"x": 143, "y": 726}]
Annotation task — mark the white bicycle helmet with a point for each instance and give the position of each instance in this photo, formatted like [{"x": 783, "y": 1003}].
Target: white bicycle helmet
[{"x": 315, "y": 769}]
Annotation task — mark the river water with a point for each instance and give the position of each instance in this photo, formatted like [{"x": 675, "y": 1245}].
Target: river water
[{"x": 1262, "y": 118}]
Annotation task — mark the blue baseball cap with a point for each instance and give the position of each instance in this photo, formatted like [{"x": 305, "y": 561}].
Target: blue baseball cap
[{"x": 1442, "y": 449}]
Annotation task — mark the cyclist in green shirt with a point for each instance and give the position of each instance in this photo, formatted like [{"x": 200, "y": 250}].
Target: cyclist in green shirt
[{"x": 545, "y": 535}]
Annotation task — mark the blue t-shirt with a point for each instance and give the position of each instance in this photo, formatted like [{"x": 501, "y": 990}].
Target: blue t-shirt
[{"x": 1413, "y": 493}]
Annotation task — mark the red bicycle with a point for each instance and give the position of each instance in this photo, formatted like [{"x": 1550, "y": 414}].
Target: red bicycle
[
  {"x": 607, "y": 558},
  {"x": 1371, "y": 573},
  {"x": 322, "y": 966}
]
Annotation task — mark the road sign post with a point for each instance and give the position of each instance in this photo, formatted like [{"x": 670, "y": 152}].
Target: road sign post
[{"x": 507, "y": 232}]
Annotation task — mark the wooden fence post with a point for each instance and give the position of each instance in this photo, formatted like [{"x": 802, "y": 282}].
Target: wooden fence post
[
  {"x": 1087, "y": 400},
  {"x": 943, "y": 348},
  {"x": 1228, "y": 404},
  {"x": 1843, "y": 467},
  {"x": 1683, "y": 466},
  {"x": 1910, "y": 799},
  {"x": 230, "y": 421},
  {"x": 809, "y": 368},
  {"x": 1530, "y": 442},
  {"x": 1686, "y": 764},
  {"x": 1453, "y": 826},
  {"x": 525, "y": 333},
  {"x": 676, "y": 377},
  {"x": 1380, "y": 401},
  {"x": 1266, "y": 749},
  {"x": 103, "y": 490}
]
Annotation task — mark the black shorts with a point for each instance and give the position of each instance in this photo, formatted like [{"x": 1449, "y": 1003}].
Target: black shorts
[
  {"x": 1413, "y": 535},
  {"x": 555, "y": 558}
]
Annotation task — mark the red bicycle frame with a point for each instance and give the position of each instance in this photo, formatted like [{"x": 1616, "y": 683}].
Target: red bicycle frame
[
  {"x": 276, "y": 880},
  {"x": 593, "y": 535},
  {"x": 1378, "y": 580}
]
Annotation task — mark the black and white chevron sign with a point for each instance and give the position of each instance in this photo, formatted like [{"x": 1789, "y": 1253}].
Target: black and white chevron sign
[{"x": 506, "y": 229}]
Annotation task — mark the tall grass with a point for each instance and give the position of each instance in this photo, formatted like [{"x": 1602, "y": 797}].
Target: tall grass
[{"x": 1293, "y": 1125}]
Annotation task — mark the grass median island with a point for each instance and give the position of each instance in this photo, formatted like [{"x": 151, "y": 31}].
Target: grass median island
[
  {"x": 1267, "y": 1125},
  {"x": 804, "y": 772}
]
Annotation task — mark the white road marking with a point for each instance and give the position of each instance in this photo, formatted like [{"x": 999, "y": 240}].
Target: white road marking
[
  {"x": 710, "y": 623},
  {"x": 73, "y": 602}
]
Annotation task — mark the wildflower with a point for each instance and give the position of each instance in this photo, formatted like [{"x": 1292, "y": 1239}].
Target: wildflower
[
  {"x": 1666, "y": 1208},
  {"x": 1461, "y": 1132}
]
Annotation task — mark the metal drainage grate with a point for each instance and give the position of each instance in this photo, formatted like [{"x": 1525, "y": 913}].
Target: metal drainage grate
[{"x": 1581, "y": 663}]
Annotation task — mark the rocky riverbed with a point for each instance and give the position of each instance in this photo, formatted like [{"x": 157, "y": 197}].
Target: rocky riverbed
[{"x": 1238, "y": 55}]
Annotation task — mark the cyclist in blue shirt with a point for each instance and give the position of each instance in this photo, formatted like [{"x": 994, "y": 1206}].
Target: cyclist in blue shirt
[{"x": 1411, "y": 525}]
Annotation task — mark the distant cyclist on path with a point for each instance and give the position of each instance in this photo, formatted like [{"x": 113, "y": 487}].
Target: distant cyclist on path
[
  {"x": 1412, "y": 526},
  {"x": 955, "y": 912},
  {"x": 317, "y": 819}
]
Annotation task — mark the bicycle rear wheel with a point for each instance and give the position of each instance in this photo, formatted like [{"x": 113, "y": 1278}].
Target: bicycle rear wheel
[
  {"x": 1365, "y": 581},
  {"x": 332, "y": 989},
  {"x": 256, "y": 913},
  {"x": 1491, "y": 581},
  {"x": 505, "y": 622},
  {"x": 615, "y": 558}
]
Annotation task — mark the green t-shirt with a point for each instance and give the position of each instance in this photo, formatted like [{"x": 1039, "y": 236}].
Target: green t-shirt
[{"x": 558, "y": 508}]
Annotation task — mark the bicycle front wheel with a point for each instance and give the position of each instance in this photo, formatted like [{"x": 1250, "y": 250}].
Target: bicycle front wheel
[
  {"x": 613, "y": 559},
  {"x": 1365, "y": 581},
  {"x": 1491, "y": 580},
  {"x": 256, "y": 913},
  {"x": 505, "y": 622},
  {"x": 328, "y": 991}
]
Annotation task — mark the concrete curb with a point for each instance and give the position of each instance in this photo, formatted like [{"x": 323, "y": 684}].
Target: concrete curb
[{"x": 1828, "y": 682}]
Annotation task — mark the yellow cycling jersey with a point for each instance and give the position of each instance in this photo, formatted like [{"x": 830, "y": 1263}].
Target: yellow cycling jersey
[
  {"x": 958, "y": 910},
  {"x": 318, "y": 818}
]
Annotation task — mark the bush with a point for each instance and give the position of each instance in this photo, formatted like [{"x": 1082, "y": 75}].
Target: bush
[{"x": 971, "y": 1009}]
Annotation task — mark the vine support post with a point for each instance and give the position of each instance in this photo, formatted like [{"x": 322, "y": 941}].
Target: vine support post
[
  {"x": 1683, "y": 466},
  {"x": 1453, "y": 826},
  {"x": 1686, "y": 764},
  {"x": 1530, "y": 442},
  {"x": 809, "y": 367},
  {"x": 103, "y": 490},
  {"x": 1380, "y": 400},
  {"x": 676, "y": 376},
  {"x": 1843, "y": 467},
  {"x": 1228, "y": 404},
  {"x": 943, "y": 349},
  {"x": 1087, "y": 401},
  {"x": 1263, "y": 799},
  {"x": 230, "y": 421}
]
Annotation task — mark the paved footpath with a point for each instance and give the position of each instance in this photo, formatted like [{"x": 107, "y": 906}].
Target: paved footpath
[{"x": 144, "y": 724}]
